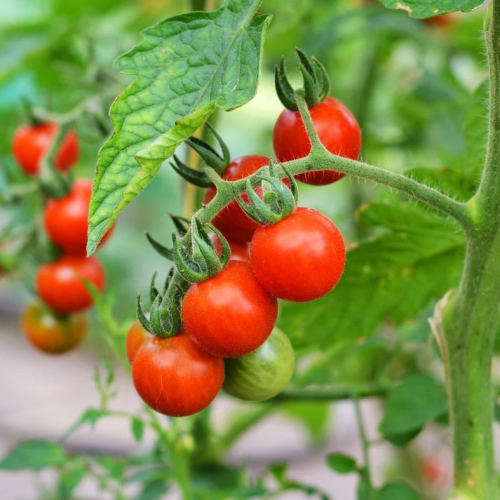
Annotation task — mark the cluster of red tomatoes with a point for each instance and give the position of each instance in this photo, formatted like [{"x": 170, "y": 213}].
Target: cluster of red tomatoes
[
  {"x": 56, "y": 325},
  {"x": 228, "y": 337}
]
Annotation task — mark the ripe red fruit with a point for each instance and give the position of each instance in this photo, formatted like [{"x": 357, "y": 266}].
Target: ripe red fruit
[
  {"x": 136, "y": 337},
  {"x": 300, "y": 258},
  {"x": 232, "y": 222},
  {"x": 443, "y": 21},
  {"x": 66, "y": 219},
  {"x": 60, "y": 284},
  {"x": 31, "y": 142},
  {"x": 50, "y": 333},
  {"x": 434, "y": 469},
  {"x": 229, "y": 315},
  {"x": 176, "y": 377},
  {"x": 337, "y": 129}
]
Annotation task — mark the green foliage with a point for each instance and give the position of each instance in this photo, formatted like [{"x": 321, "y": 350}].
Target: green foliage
[
  {"x": 186, "y": 68},
  {"x": 396, "y": 491},
  {"x": 416, "y": 401},
  {"x": 35, "y": 455},
  {"x": 343, "y": 464},
  {"x": 431, "y": 8}
]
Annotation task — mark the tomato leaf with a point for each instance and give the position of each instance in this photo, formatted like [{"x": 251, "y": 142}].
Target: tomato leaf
[
  {"x": 34, "y": 455},
  {"x": 343, "y": 464},
  {"x": 397, "y": 491},
  {"x": 137, "y": 426},
  {"x": 394, "y": 276},
  {"x": 186, "y": 68},
  {"x": 423, "y": 9},
  {"x": 410, "y": 405},
  {"x": 70, "y": 479}
]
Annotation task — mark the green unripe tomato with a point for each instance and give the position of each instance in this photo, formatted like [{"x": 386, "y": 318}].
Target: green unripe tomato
[{"x": 263, "y": 373}]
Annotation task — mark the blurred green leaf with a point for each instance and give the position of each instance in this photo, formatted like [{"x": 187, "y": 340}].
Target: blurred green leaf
[
  {"x": 186, "y": 68},
  {"x": 343, "y": 464},
  {"x": 137, "y": 428},
  {"x": 312, "y": 415},
  {"x": 430, "y": 8},
  {"x": 115, "y": 467},
  {"x": 153, "y": 490},
  {"x": 410, "y": 405},
  {"x": 34, "y": 455},
  {"x": 394, "y": 276},
  {"x": 397, "y": 491},
  {"x": 70, "y": 479}
]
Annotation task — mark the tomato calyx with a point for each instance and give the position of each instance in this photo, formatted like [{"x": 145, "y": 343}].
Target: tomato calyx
[
  {"x": 182, "y": 226},
  {"x": 198, "y": 260},
  {"x": 278, "y": 200},
  {"x": 164, "y": 315},
  {"x": 316, "y": 83},
  {"x": 214, "y": 160}
]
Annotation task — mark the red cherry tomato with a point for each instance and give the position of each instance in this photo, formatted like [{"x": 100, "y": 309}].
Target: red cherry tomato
[
  {"x": 175, "y": 377},
  {"x": 239, "y": 251},
  {"x": 31, "y": 142},
  {"x": 337, "y": 129},
  {"x": 232, "y": 222},
  {"x": 66, "y": 219},
  {"x": 443, "y": 21},
  {"x": 50, "y": 333},
  {"x": 300, "y": 258},
  {"x": 61, "y": 285},
  {"x": 136, "y": 337},
  {"x": 229, "y": 315}
]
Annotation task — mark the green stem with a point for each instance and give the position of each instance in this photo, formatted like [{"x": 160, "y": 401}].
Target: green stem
[
  {"x": 471, "y": 316},
  {"x": 334, "y": 393},
  {"x": 366, "y": 474}
]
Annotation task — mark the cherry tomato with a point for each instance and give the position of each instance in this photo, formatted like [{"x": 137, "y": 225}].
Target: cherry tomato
[
  {"x": 443, "y": 21},
  {"x": 66, "y": 219},
  {"x": 263, "y": 373},
  {"x": 337, "y": 129},
  {"x": 31, "y": 142},
  {"x": 239, "y": 251},
  {"x": 51, "y": 333},
  {"x": 60, "y": 284},
  {"x": 232, "y": 222},
  {"x": 229, "y": 315},
  {"x": 175, "y": 377},
  {"x": 300, "y": 258},
  {"x": 136, "y": 337}
]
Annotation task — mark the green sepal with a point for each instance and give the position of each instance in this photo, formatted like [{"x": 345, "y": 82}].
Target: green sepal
[
  {"x": 209, "y": 155},
  {"x": 165, "y": 317},
  {"x": 316, "y": 83},
  {"x": 283, "y": 87},
  {"x": 191, "y": 175},
  {"x": 56, "y": 186},
  {"x": 226, "y": 155},
  {"x": 153, "y": 291},
  {"x": 226, "y": 249},
  {"x": 141, "y": 316},
  {"x": 181, "y": 224},
  {"x": 185, "y": 265},
  {"x": 168, "y": 253}
]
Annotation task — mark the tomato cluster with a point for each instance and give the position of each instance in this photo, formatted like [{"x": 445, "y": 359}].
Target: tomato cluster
[
  {"x": 56, "y": 326},
  {"x": 227, "y": 336}
]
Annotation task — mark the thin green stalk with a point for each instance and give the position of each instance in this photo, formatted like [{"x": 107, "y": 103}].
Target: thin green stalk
[
  {"x": 366, "y": 473},
  {"x": 333, "y": 394}
]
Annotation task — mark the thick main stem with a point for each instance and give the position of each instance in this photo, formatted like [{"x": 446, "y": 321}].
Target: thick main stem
[{"x": 470, "y": 320}]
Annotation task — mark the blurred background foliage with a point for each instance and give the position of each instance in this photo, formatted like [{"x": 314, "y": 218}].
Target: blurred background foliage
[{"x": 414, "y": 88}]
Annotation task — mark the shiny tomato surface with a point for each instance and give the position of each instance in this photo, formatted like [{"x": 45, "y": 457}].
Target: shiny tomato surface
[
  {"x": 229, "y": 315},
  {"x": 51, "y": 333},
  {"x": 66, "y": 219},
  {"x": 175, "y": 377},
  {"x": 60, "y": 284},
  {"x": 136, "y": 337},
  {"x": 337, "y": 129},
  {"x": 31, "y": 142},
  {"x": 232, "y": 222},
  {"x": 300, "y": 258}
]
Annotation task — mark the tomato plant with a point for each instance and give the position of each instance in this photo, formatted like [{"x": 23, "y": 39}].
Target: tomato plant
[
  {"x": 176, "y": 377},
  {"x": 407, "y": 318},
  {"x": 230, "y": 314},
  {"x": 263, "y": 373},
  {"x": 51, "y": 333},
  {"x": 65, "y": 219},
  {"x": 31, "y": 142},
  {"x": 61, "y": 284}
]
